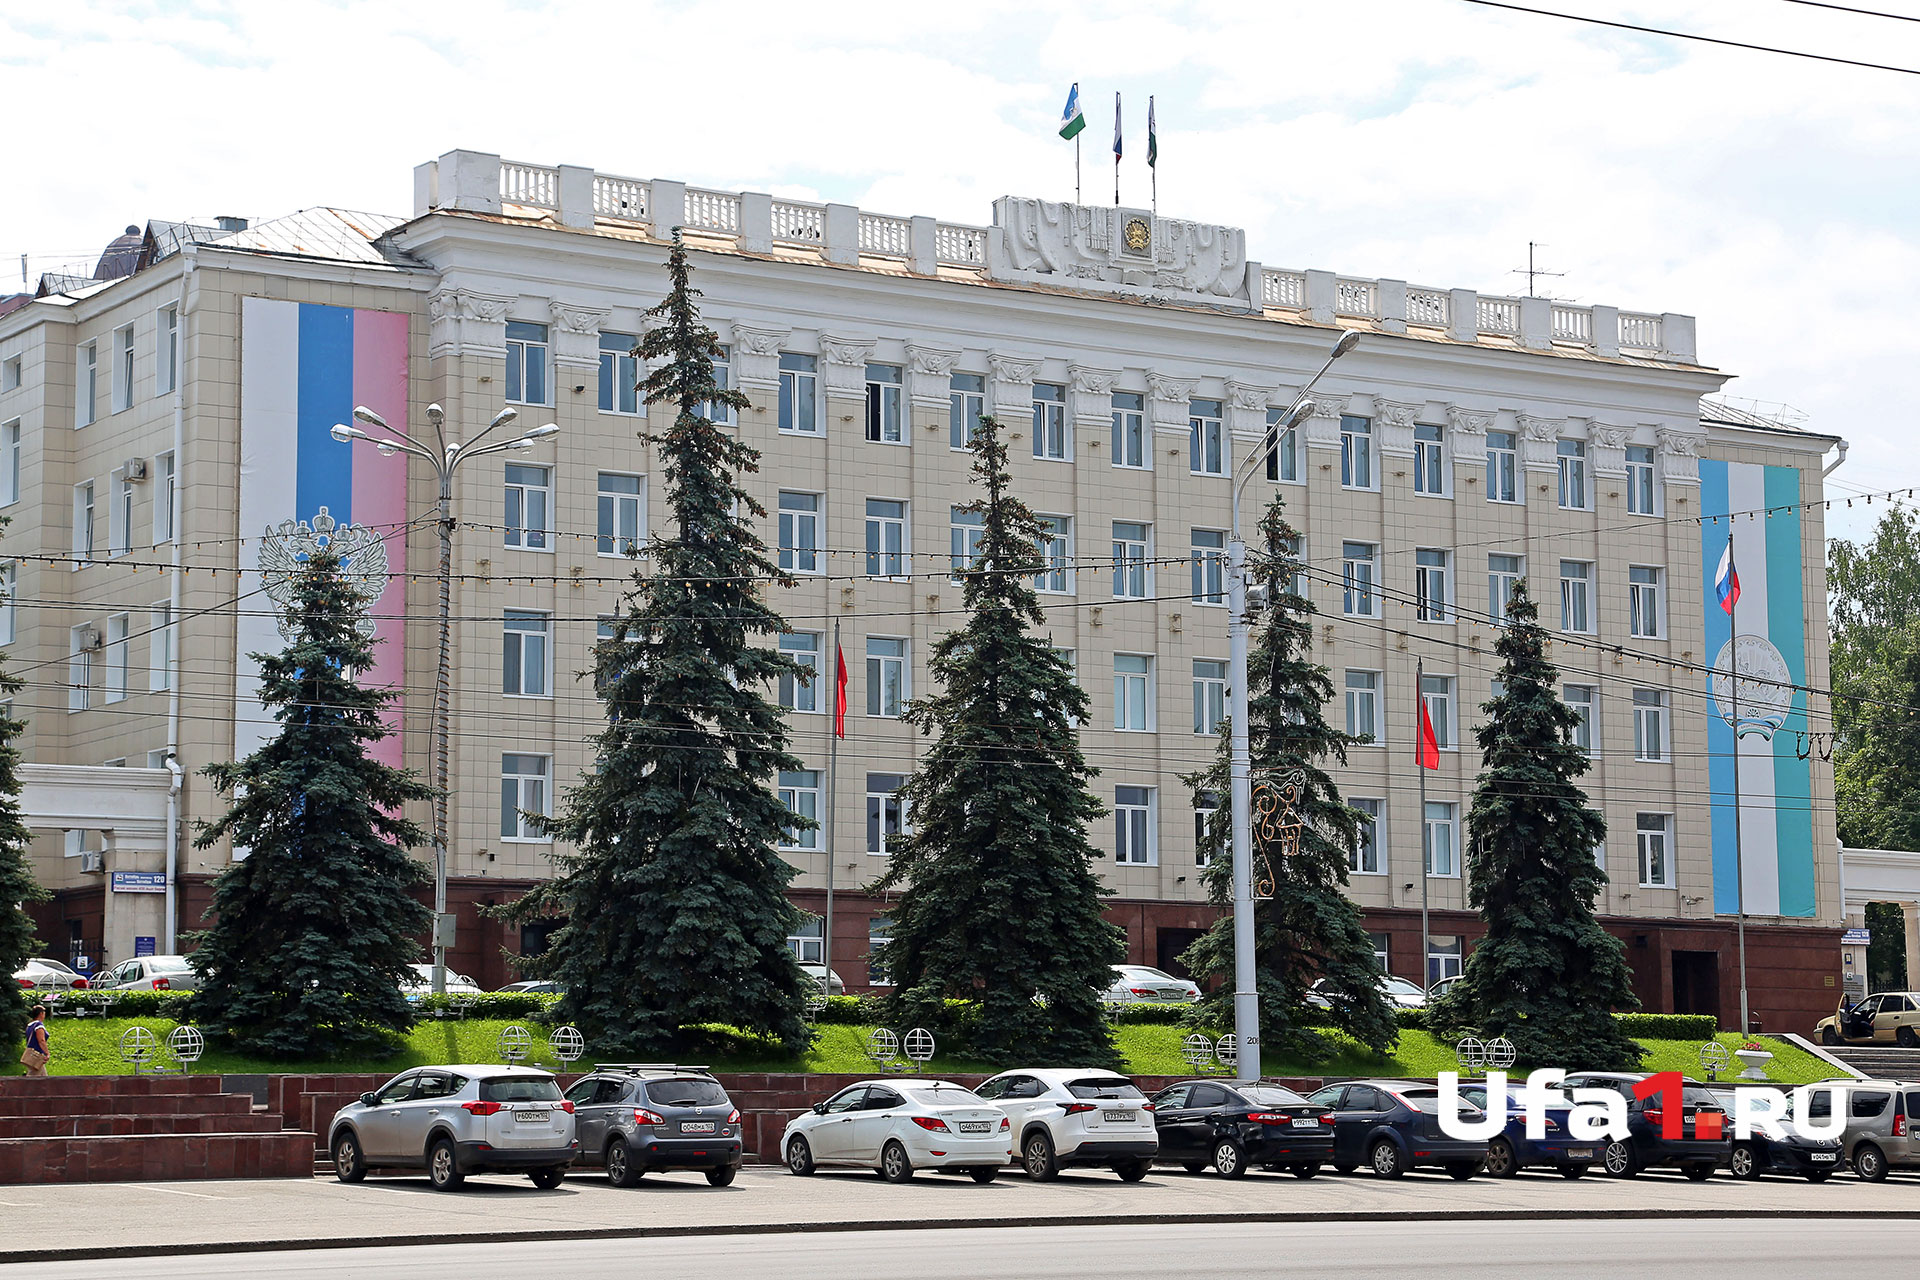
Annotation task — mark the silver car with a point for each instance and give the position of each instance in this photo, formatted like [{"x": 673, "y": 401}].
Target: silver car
[
  {"x": 150, "y": 973},
  {"x": 456, "y": 1120},
  {"x": 1879, "y": 1134}
]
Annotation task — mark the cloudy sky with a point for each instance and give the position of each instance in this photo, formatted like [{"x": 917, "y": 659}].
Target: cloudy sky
[{"x": 1429, "y": 140}]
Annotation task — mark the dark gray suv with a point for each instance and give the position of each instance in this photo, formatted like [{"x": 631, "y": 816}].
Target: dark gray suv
[{"x": 639, "y": 1118}]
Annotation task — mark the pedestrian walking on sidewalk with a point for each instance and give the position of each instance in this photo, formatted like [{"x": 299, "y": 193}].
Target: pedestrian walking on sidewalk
[{"x": 39, "y": 1048}]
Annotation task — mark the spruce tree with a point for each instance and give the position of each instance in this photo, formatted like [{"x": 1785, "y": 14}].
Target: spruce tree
[
  {"x": 17, "y": 885},
  {"x": 673, "y": 905},
  {"x": 999, "y": 899},
  {"x": 315, "y": 928},
  {"x": 1546, "y": 975},
  {"x": 1309, "y": 928}
]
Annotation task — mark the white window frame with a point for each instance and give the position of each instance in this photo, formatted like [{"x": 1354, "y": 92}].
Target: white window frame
[
  {"x": 1135, "y": 840},
  {"x": 1209, "y": 695},
  {"x": 800, "y": 521},
  {"x": 619, "y": 374},
  {"x": 9, "y": 463},
  {"x": 800, "y": 395},
  {"x": 722, "y": 361},
  {"x": 1209, "y": 560},
  {"x": 1209, "y": 452},
  {"x": 887, "y": 555},
  {"x": 86, "y": 379},
  {"x": 1371, "y": 845},
  {"x": 120, "y": 394},
  {"x": 166, "y": 498},
  {"x": 887, "y": 819},
  {"x": 1436, "y": 694},
  {"x": 800, "y": 792},
  {"x": 120, "y": 514},
  {"x": 887, "y": 670},
  {"x": 1430, "y": 470},
  {"x": 966, "y": 405},
  {"x": 620, "y": 528},
  {"x": 9, "y": 586},
  {"x": 1651, "y": 722},
  {"x": 115, "y": 652},
  {"x": 1051, "y": 439},
  {"x": 527, "y": 362},
  {"x": 1357, "y": 470},
  {"x": 1360, "y": 580},
  {"x": 1584, "y": 701},
  {"x": 1363, "y": 706},
  {"x": 1132, "y": 560},
  {"x": 1133, "y": 709},
  {"x": 1283, "y": 450},
  {"x": 879, "y": 933},
  {"x": 1643, "y": 483},
  {"x": 808, "y": 942},
  {"x": 1576, "y": 598},
  {"x": 1054, "y": 543},
  {"x": 886, "y": 413},
  {"x": 1432, "y": 579},
  {"x": 522, "y": 490},
  {"x": 526, "y": 654},
  {"x": 1446, "y": 957},
  {"x": 534, "y": 787},
  {"x": 1132, "y": 435},
  {"x": 1503, "y": 468},
  {"x": 1646, "y": 601},
  {"x": 160, "y": 646},
  {"x": 13, "y": 370},
  {"x": 166, "y": 349},
  {"x": 1570, "y": 457},
  {"x": 79, "y": 670},
  {"x": 1500, "y": 584},
  {"x": 802, "y": 696},
  {"x": 1205, "y": 805},
  {"x": 84, "y": 520},
  {"x": 1653, "y": 843},
  {"x": 965, "y": 529},
  {"x": 1442, "y": 818}
]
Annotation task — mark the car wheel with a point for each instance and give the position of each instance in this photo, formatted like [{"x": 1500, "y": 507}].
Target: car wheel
[
  {"x": 548, "y": 1179},
  {"x": 894, "y": 1164},
  {"x": 348, "y": 1164},
  {"x": 443, "y": 1166},
  {"x": 1132, "y": 1170},
  {"x": 720, "y": 1177},
  {"x": 799, "y": 1157},
  {"x": 1870, "y": 1162},
  {"x": 1829, "y": 1036},
  {"x": 1036, "y": 1154},
  {"x": 1744, "y": 1162},
  {"x": 1228, "y": 1161},
  {"x": 1819, "y": 1175},
  {"x": 1697, "y": 1171},
  {"x": 1305, "y": 1171},
  {"x": 982, "y": 1176},
  {"x": 1571, "y": 1171},
  {"x": 1501, "y": 1162},
  {"x": 1384, "y": 1158},
  {"x": 1460, "y": 1171},
  {"x": 621, "y": 1170},
  {"x": 1194, "y": 1166},
  {"x": 1617, "y": 1159},
  {"x": 1904, "y": 1037}
]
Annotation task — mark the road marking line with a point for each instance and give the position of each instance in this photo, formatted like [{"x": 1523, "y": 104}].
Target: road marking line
[{"x": 172, "y": 1191}]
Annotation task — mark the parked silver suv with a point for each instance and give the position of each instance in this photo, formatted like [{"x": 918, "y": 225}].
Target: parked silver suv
[
  {"x": 1881, "y": 1115},
  {"x": 456, "y": 1120}
]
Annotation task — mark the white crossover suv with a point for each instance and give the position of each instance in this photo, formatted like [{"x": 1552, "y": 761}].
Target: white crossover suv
[{"x": 1068, "y": 1117}]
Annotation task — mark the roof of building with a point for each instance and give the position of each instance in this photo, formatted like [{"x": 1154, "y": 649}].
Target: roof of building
[
  {"x": 1779, "y": 417},
  {"x": 338, "y": 235}
]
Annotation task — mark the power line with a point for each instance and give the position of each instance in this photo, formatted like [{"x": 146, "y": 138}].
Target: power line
[{"x": 1847, "y": 8}]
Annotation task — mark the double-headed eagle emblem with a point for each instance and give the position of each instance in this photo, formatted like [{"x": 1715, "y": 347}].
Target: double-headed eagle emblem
[{"x": 363, "y": 563}]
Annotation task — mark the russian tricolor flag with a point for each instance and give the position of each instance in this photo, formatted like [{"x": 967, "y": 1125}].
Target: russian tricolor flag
[{"x": 1726, "y": 581}]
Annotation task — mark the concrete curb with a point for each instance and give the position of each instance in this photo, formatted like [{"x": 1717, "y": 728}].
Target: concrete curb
[{"x": 929, "y": 1224}]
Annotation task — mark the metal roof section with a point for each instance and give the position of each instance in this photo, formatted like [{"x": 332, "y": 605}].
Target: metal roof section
[
  {"x": 1780, "y": 417},
  {"x": 334, "y": 235}
]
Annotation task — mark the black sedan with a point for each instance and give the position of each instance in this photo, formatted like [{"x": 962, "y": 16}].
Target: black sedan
[
  {"x": 1701, "y": 1147},
  {"x": 1232, "y": 1126},
  {"x": 1795, "y": 1154},
  {"x": 1394, "y": 1125}
]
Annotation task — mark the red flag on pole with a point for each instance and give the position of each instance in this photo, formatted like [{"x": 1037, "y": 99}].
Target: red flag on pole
[
  {"x": 840, "y": 693},
  {"x": 1428, "y": 756}
]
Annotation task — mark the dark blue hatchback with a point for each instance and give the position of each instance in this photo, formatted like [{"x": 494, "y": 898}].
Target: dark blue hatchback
[{"x": 1512, "y": 1150}]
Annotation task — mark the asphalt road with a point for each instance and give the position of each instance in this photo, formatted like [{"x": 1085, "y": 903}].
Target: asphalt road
[{"x": 1621, "y": 1250}]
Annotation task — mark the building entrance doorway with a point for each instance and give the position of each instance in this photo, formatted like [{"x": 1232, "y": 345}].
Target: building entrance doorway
[
  {"x": 1168, "y": 944},
  {"x": 1696, "y": 982}
]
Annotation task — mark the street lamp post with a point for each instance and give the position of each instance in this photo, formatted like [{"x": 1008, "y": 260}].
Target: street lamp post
[
  {"x": 1246, "y": 988},
  {"x": 444, "y": 461}
]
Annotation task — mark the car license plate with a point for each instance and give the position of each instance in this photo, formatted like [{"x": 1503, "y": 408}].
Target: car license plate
[
  {"x": 1580, "y": 1153},
  {"x": 976, "y": 1126},
  {"x": 696, "y": 1126},
  {"x": 1825, "y": 1157},
  {"x": 1305, "y": 1122},
  {"x": 532, "y": 1117},
  {"x": 1116, "y": 1115}
]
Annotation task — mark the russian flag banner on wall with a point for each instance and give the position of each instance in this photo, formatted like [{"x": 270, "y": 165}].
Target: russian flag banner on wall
[{"x": 303, "y": 367}]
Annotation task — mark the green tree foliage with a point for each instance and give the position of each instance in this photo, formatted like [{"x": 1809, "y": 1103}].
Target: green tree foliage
[
  {"x": 17, "y": 885},
  {"x": 999, "y": 900},
  {"x": 1309, "y": 928},
  {"x": 1546, "y": 975},
  {"x": 313, "y": 931},
  {"x": 1875, "y": 591},
  {"x": 673, "y": 903}
]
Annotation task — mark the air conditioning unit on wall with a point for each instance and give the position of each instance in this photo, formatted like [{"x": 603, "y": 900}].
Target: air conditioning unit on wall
[
  {"x": 93, "y": 860},
  {"x": 135, "y": 469},
  {"x": 90, "y": 638}
]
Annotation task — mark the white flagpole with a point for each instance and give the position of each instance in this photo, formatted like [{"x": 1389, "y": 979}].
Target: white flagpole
[{"x": 1076, "y": 167}]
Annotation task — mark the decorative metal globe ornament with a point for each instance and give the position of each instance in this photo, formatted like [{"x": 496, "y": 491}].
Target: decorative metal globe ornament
[
  {"x": 186, "y": 1044},
  {"x": 919, "y": 1045},
  {"x": 138, "y": 1047},
  {"x": 1501, "y": 1054},
  {"x": 1227, "y": 1051},
  {"x": 1714, "y": 1058},
  {"x": 567, "y": 1043},
  {"x": 516, "y": 1042},
  {"x": 883, "y": 1047},
  {"x": 1198, "y": 1051},
  {"x": 1472, "y": 1053}
]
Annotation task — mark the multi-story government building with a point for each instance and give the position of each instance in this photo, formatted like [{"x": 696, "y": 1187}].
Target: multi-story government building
[{"x": 159, "y": 418}]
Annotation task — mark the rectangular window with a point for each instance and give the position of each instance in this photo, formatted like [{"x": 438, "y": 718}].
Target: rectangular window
[
  {"x": 1653, "y": 832},
  {"x": 800, "y": 792},
  {"x": 1572, "y": 456},
  {"x": 966, "y": 405},
  {"x": 1437, "y": 693},
  {"x": 1365, "y": 858},
  {"x": 1359, "y": 599},
  {"x": 1209, "y": 695},
  {"x": 1580, "y": 699},
  {"x": 1206, "y": 804},
  {"x": 1443, "y": 958},
  {"x": 1502, "y": 572},
  {"x": 1576, "y": 583},
  {"x": 964, "y": 531},
  {"x": 619, "y": 374},
  {"x": 10, "y": 373},
  {"x": 1283, "y": 450},
  {"x": 1356, "y": 452},
  {"x": 1650, "y": 724},
  {"x": 800, "y": 532},
  {"x": 160, "y": 646},
  {"x": 1643, "y": 602},
  {"x": 1440, "y": 843},
  {"x": 525, "y": 655},
  {"x": 1381, "y": 949},
  {"x": 1429, "y": 462},
  {"x": 1206, "y": 439},
  {"x": 1641, "y": 492},
  {"x": 1133, "y": 826},
  {"x": 1431, "y": 571},
  {"x": 166, "y": 350},
  {"x": 886, "y": 538},
  {"x": 799, "y": 394},
  {"x": 885, "y": 425},
  {"x": 1132, "y": 577},
  {"x": 526, "y": 362},
  {"x": 879, "y": 933},
  {"x": 1503, "y": 464},
  {"x": 1363, "y": 692},
  {"x": 10, "y": 463},
  {"x": 86, "y": 388},
  {"x": 166, "y": 497},
  {"x": 120, "y": 514},
  {"x": 712, "y": 411},
  {"x": 886, "y": 676},
  {"x": 1072, "y": 659},
  {"x": 80, "y": 667},
  {"x": 9, "y": 583},
  {"x": 82, "y": 523},
  {"x": 622, "y": 515},
  {"x": 1049, "y": 420},
  {"x": 801, "y": 692},
  {"x": 808, "y": 941},
  {"x": 1133, "y": 692},
  {"x": 529, "y": 507},
  {"x": 886, "y": 818},
  {"x": 1055, "y": 545},
  {"x": 1132, "y": 443},
  {"x": 122, "y": 368},
  {"x": 1209, "y": 566},
  {"x": 523, "y": 792},
  {"x": 116, "y": 655}
]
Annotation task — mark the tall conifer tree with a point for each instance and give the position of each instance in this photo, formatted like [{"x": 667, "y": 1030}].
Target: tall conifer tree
[
  {"x": 674, "y": 906},
  {"x": 1546, "y": 975},
  {"x": 17, "y": 885},
  {"x": 1309, "y": 928},
  {"x": 999, "y": 900},
  {"x": 313, "y": 931}
]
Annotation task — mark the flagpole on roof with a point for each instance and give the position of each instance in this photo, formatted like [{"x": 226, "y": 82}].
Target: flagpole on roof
[
  {"x": 1116, "y": 148},
  {"x": 1073, "y": 122},
  {"x": 1153, "y": 155}
]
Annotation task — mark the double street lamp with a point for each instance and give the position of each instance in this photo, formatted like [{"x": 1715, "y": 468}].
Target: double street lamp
[
  {"x": 445, "y": 458},
  {"x": 1246, "y": 987}
]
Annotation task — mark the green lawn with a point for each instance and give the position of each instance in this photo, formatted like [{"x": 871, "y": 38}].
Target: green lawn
[{"x": 89, "y": 1046}]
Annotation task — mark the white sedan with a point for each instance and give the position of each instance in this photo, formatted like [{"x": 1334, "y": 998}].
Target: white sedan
[
  {"x": 898, "y": 1126},
  {"x": 1399, "y": 992},
  {"x": 1138, "y": 984}
]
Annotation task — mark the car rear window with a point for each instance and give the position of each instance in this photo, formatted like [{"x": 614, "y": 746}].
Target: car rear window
[
  {"x": 686, "y": 1093},
  {"x": 1103, "y": 1087},
  {"x": 946, "y": 1095},
  {"x": 520, "y": 1089},
  {"x": 1268, "y": 1096},
  {"x": 1694, "y": 1095},
  {"x": 1428, "y": 1101}
]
